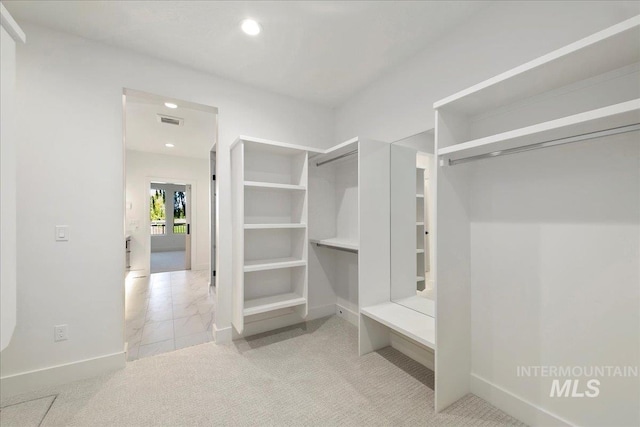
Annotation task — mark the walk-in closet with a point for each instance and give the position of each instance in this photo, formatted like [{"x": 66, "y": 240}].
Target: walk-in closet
[{"x": 396, "y": 213}]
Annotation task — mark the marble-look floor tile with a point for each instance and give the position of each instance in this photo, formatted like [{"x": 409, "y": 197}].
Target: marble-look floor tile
[
  {"x": 168, "y": 310},
  {"x": 160, "y": 277},
  {"x": 184, "y": 309},
  {"x": 134, "y": 313},
  {"x": 136, "y": 300},
  {"x": 136, "y": 291},
  {"x": 156, "y": 332},
  {"x": 159, "y": 315},
  {"x": 156, "y": 286},
  {"x": 132, "y": 352},
  {"x": 205, "y": 307},
  {"x": 162, "y": 303},
  {"x": 207, "y": 321},
  {"x": 160, "y": 293},
  {"x": 189, "y": 298},
  {"x": 133, "y": 331},
  {"x": 156, "y": 348},
  {"x": 191, "y": 340},
  {"x": 188, "y": 326}
]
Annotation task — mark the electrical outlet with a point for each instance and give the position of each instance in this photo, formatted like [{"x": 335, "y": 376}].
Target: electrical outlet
[{"x": 60, "y": 333}]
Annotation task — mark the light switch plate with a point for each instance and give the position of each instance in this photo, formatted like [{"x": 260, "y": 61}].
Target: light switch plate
[{"x": 62, "y": 233}]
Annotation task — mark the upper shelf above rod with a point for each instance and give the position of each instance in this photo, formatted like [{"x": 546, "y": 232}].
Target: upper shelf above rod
[
  {"x": 340, "y": 151},
  {"x": 324, "y": 162}
]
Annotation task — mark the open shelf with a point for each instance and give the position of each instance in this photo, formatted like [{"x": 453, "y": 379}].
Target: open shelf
[
  {"x": 419, "y": 279},
  {"x": 420, "y": 224},
  {"x": 419, "y": 251},
  {"x": 417, "y": 326},
  {"x": 604, "y": 51},
  {"x": 271, "y": 303},
  {"x": 419, "y": 303},
  {"x": 266, "y": 145},
  {"x": 273, "y": 264},
  {"x": 420, "y": 196},
  {"x": 273, "y": 226},
  {"x": 335, "y": 152},
  {"x": 269, "y": 228},
  {"x": 337, "y": 243},
  {"x": 273, "y": 186},
  {"x": 612, "y": 116}
]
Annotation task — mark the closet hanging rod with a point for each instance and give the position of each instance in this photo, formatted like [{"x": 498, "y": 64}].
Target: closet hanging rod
[
  {"x": 550, "y": 143},
  {"x": 337, "y": 248},
  {"x": 337, "y": 158}
]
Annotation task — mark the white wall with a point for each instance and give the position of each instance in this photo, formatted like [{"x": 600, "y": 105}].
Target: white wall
[
  {"x": 8, "y": 184},
  {"x": 500, "y": 37},
  {"x": 70, "y": 127},
  {"x": 555, "y": 273}
]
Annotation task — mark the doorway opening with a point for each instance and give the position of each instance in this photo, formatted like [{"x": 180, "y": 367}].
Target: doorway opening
[
  {"x": 169, "y": 222},
  {"x": 170, "y": 227}
]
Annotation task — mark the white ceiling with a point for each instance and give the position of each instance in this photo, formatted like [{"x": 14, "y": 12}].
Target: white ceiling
[
  {"x": 320, "y": 51},
  {"x": 143, "y": 131}
]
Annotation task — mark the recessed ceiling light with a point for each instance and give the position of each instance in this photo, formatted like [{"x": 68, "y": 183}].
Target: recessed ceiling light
[
  {"x": 250, "y": 27},
  {"x": 170, "y": 105},
  {"x": 169, "y": 145}
]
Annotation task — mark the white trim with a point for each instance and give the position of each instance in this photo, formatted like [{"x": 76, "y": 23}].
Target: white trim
[
  {"x": 321, "y": 311},
  {"x": 349, "y": 315},
  {"x": 11, "y": 26},
  {"x": 61, "y": 374},
  {"x": 410, "y": 348},
  {"x": 276, "y": 144},
  {"x": 269, "y": 321},
  {"x": 514, "y": 405},
  {"x": 222, "y": 335}
]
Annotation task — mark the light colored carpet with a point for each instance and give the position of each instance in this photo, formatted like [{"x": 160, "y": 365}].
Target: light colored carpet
[
  {"x": 167, "y": 261},
  {"x": 307, "y": 375},
  {"x": 29, "y": 413}
]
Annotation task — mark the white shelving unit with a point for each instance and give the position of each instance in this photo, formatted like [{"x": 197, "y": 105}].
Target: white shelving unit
[
  {"x": 269, "y": 222},
  {"x": 618, "y": 116},
  {"x": 421, "y": 256},
  {"x": 395, "y": 315},
  {"x": 516, "y": 234},
  {"x": 349, "y": 222}
]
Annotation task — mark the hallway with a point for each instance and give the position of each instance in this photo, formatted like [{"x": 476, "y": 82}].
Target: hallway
[{"x": 167, "y": 311}]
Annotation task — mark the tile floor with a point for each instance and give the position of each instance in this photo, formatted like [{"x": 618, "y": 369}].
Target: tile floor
[
  {"x": 167, "y": 261},
  {"x": 168, "y": 311}
]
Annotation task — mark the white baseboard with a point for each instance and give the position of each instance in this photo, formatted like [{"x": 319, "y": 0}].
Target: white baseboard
[
  {"x": 412, "y": 349},
  {"x": 61, "y": 374},
  {"x": 517, "y": 407},
  {"x": 275, "y": 320},
  {"x": 349, "y": 315},
  {"x": 320, "y": 312},
  {"x": 222, "y": 335}
]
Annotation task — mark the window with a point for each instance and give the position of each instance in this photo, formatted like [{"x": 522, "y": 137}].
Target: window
[
  {"x": 179, "y": 212},
  {"x": 157, "y": 212}
]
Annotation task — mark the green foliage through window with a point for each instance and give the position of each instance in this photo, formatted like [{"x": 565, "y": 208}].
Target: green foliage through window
[{"x": 157, "y": 205}]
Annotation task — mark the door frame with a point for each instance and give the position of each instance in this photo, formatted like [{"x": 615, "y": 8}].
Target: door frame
[{"x": 191, "y": 218}]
